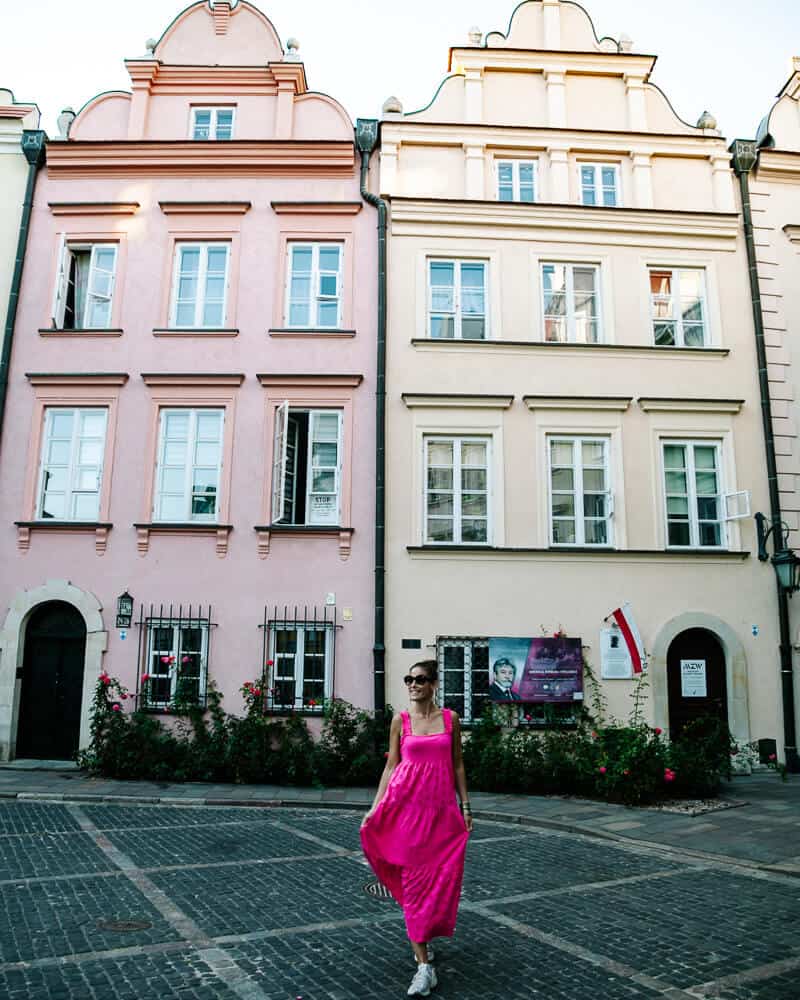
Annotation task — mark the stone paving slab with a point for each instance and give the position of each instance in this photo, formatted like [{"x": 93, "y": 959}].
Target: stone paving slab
[
  {"x": 43, "y": 855},
  {"x": 48, "y": 919},
  {"x": 33, "y": 817},
  {"x": 685, "y": 930}
]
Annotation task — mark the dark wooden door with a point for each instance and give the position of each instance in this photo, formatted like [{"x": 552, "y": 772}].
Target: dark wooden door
[
  {"x": 52, "y": 683},
  {"x": 697, "y": 646}
]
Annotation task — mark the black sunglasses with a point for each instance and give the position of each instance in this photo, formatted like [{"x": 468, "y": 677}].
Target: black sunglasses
[{"x": 408, "y": 680}]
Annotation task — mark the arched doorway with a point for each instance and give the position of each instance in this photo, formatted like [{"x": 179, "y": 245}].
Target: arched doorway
[
  {"x": 696, "y": 679},
  {"x": 52, "y": 683}
]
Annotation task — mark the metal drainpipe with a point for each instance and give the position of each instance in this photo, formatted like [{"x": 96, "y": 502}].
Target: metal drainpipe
[
  {"x": 33, "y": 149},
  {"x": 366, "y": 141},
  {"x": 745, "y": 157}
]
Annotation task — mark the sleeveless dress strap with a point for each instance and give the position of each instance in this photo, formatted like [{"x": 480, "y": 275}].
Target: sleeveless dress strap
[
  {"x": 406, "y": 723},
  {"x": 448, "y": 720}
]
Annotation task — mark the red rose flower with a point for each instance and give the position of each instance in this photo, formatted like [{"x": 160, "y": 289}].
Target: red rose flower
[
  {"x": 658, "y": 730},
  {"x": 145, "y": 677},
  {"x": 602, "y": 770},
  {"x": 626, "y": 772},
  {"x": 116, "y": 708}
]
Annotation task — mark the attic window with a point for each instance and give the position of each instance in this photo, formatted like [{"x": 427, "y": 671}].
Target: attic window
[{"x": 212, "y": 124}]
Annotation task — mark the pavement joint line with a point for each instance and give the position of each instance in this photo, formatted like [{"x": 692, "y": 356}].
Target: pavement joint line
[
  {"x": 250, "y": 862},
  {"x": 496, "y": 840},
  {"x": 564, "y": 890},
  {"x": 395, "y": 916},
  {"x": 585, "y": 954},
  {"x": 44, "y": 879},
  {"x": 312, "y": 839},
  {"x": 110, "y": 954},
  {"x": 714, "y": 987},
  {"x": 220, "y": 964}
]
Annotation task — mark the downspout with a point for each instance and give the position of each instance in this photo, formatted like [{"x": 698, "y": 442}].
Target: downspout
[
  {"x": 745, "y": 157},
  {"x": 33, "y": 149},
  {"x": 366, "y": 141}
]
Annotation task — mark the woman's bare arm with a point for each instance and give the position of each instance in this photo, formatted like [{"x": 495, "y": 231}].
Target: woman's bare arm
[
  {"x": 392, "y": 760},
  {"x": 460, "y": 771}
]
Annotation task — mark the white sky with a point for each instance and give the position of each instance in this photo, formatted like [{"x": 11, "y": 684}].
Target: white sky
[{"x": 729, "y": 56}]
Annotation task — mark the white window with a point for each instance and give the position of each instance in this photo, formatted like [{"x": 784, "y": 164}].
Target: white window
[
  {"x": 456, "y": 490},
  {"x": 177, "y": 662},
  {"x": 457, "y": 299},
  {"x": 189, "y": 465},
  {"x": 516, "y": 180},
  {"x": 693, "y": 494},
  {"x": 84, "y": 286},
  {"x": 71, "y": 468},
  {"x": 678, "y": 307},
  {"x": 580, "y": 496},
  {"x": 571, "y": 303},
  {"x": 600, "y": 184},
  {"x": 307, "y": 466},
  {"x": 314, "y": 285},
  {"x": 212, "y": 123},
  {"x": 464, "y": 676},
  {"x": 200, "y": 285},
  {"x": 302, "y": 667}
]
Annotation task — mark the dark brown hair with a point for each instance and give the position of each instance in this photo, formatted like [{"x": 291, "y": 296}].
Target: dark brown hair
[{"x": 431, "y": 668}]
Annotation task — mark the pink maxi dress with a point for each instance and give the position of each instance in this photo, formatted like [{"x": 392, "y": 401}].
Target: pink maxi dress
[{"x": 415, "y": 840}]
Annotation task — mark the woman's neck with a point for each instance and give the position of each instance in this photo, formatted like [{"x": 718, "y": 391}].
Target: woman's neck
[{"x": 424, "y": 710}]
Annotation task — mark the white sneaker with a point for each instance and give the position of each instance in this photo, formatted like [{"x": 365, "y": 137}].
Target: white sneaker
[
  {"x": 431, "y": 954},
  {"x": 424, "y": 981}
]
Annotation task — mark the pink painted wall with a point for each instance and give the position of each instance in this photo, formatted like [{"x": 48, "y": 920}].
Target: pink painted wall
[{"x": 186, "y": 569}]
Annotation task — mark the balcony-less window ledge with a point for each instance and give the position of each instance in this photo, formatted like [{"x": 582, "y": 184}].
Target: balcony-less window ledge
[
  {"x": 51, "y": 331},
  {"x": 194, "y": 331},
  {"x": 546, "y": 345},
  {"x": 634, "y": 555},
  {"x": 99, "y": 529},
  {"x": 309, "y": 331},
  {"x": 265, "y": 532},
  {"x": 145, "y": 529}
]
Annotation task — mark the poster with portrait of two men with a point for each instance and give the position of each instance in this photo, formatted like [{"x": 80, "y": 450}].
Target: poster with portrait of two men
[{"x": 547, "y": 669}]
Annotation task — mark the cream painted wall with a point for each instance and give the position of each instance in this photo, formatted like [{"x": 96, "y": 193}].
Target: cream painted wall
[{"x": 519, "y": 585}]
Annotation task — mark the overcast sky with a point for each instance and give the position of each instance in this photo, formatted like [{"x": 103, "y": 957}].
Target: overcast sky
[{"x": 728, "y": 56}]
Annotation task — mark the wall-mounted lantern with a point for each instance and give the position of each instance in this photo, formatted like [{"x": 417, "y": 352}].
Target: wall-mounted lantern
[
  {"x": 124, "y": 610},
  {"x": 784, "y": 559}
]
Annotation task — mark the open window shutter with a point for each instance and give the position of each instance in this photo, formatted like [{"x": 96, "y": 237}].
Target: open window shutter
[
  {"x": 736, "y": 505},
  {"x": 60, "y": 291},
  {"x": 100, "y": 286},
  {"x": 279, "y": 461}
]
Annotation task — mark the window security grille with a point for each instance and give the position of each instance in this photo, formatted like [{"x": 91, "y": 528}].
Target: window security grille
[
  {"x": 173, "y": 656},
  {"x": 299, "y": 650}
]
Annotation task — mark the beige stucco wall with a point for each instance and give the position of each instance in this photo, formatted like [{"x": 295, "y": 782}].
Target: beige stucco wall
[{"x": 677, "y": 210}]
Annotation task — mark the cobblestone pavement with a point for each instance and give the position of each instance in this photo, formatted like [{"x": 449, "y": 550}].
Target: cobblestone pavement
[{"x": 155, "y": 902}]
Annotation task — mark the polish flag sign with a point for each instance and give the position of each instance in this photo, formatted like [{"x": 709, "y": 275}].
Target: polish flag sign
[{"x": 624, "y": 618}]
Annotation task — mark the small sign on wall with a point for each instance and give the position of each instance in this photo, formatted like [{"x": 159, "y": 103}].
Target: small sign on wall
[
  {"x": 693, "y": 679},
  {"x": 615, "y": 660}
]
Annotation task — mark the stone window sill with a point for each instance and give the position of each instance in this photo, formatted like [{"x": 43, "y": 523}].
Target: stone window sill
[
  {"x": 266, "y": 531},
  {"x": 51, "y": 331},
  {"x": 194, "y": 331},
  {"x": 145, "y": 529},
  {"x": 310, "y": 331},
  {"x": 99, "y": 529}
]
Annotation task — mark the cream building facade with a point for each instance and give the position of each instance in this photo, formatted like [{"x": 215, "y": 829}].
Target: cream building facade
[{"x": 572, "y": 410}]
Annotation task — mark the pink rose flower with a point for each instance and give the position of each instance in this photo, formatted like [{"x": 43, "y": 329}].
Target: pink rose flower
[
  {"x": 594, "y": 735},
  {"x": 528, "y": 718},
  {"x": 145, "y": 677},
  {"x": 773, "y": 756},
  {"x": 602, "y": 770},
  {"x": 116, "y": 708},
  {"x": 184, "y": 659},
  {"x": 669, "y": 775},
  {"x": 626, "y": 772},
  {"x": 165, "y": 659}
]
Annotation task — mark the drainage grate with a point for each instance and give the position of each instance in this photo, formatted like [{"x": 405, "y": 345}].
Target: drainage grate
[
  {"x": 377, "y": 890},
  {"x": 124, "y": 926}
]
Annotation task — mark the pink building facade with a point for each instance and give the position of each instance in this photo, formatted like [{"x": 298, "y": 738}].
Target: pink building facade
[{"x": 190, "y": 416}]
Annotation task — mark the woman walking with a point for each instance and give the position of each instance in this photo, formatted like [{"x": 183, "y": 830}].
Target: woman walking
[{"x": 414, "y": 836}]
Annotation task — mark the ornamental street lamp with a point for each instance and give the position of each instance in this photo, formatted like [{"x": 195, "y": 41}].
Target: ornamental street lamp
[
  {"x": 124, "y": 610},
  {"x": 784, "y": 559}
]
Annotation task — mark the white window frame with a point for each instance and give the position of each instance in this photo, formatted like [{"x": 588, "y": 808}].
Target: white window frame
[
  {"x": 457, "y": 314},
  {"x": 597, "y": 167},
  {"x": 515, "y": 179},
  {"x": 457, "y": 440},
  {"x": 576, "y": 441},
  {"x": 677, "y": 312},
  {"x": 301, "y": 627},
  {"x": 66, "y": 250},
  {"x": 190, "y": 465},
  {"x": 285, "y": 455},
  {"x": 468, "y": 644},
  {"x": 691, "y": 482},
  {"x": 570, "y": 300},
  {"x": 202, "y": 275},
  {"x": 316, "y": 295},
  {"x": 213, "y": 125},
  {"x": 73, "y": 468},
  {"x": 176, "y": 651}
]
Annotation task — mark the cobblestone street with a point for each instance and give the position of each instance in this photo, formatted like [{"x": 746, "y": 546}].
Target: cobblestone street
[{"x": 148, "y": 902}]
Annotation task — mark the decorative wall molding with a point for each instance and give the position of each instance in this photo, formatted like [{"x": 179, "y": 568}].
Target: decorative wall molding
[
  {"x": 654, "y": 404},
  {"x": 205, "y": 207},
  {"x": 620, "y": 403},
  {"x": 456, "y": 401}
]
